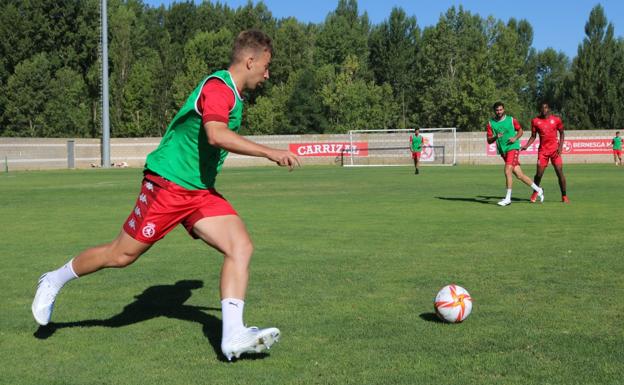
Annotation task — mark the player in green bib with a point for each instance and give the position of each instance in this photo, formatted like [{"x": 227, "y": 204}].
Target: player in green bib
[
  {"x": 616, "y": 142},
  {"x": 416, "y": 144},
  {"x": 506, "y": 132},
  {"x": 178, "y": 188}
]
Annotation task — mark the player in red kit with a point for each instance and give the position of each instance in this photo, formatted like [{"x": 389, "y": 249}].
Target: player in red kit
[{"x": 548, "y": 126}]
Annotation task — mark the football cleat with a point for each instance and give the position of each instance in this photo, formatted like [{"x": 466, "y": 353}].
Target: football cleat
[
  {"x": 565, "y": 199},
  {"x": 533, "y": 197},
  {"x": 540, "y": 194},
  {"x": 43, "y": 304},
  {"x": 249, "y": 340},
  {"x": 504, "y": 202}
]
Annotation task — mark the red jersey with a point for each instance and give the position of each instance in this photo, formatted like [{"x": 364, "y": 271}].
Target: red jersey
[{"x": 547, "y": 129}]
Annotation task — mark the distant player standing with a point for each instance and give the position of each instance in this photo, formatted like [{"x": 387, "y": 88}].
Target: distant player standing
[
  {"x": 616, "y": 142},
  {"x": 178, "y": 188},
  {"x": 416, "y": 144},
  {"x": 547, "y": 126},
  {"x": 506, "y": 132}
]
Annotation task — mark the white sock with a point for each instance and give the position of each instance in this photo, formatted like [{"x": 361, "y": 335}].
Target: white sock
[
  {"x": 61, "y": 276},
  {"x": 508, "y": 196},
  {"x": 535, "y": 187},
  {"x": 232, "y": 313}
]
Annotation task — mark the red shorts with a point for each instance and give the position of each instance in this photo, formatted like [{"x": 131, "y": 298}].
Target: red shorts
[
  {"x": 511, "y": 158},
  {"x": 617, "y": 152},
  {"x": 553, "y": 156},
  {"x": 415, "y": 154},
  {"x": 162, "y": 205}
]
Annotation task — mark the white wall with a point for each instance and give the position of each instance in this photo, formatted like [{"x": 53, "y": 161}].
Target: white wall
[{"x": 40, "y": 153}]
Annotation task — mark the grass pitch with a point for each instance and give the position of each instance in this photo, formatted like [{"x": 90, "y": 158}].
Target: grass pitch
[{"x": 347, "y": 264}]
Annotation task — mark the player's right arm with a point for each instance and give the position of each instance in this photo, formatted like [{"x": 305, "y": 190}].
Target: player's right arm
[
  {"x": 532, "y": 138},
  {"x": 490, "y": 134}
]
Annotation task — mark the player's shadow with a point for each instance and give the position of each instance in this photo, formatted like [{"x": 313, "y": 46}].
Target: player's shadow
[
  {"x": 498, "y": 198},
  {"x": 156, "y": 301},
  {"x": 431, "y": 317},
  {"x": 483, "y": 199},
  {"x": 466, "y": 199}
]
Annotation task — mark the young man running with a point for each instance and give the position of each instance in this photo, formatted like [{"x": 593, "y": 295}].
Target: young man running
[
  {"x": 616, "y": 142},
  {"x": 416, "y": 143},
  {"x": 506, "y": 132},
  {"x": 547, "y": 126},
  {"x": 178, "y": 188}
]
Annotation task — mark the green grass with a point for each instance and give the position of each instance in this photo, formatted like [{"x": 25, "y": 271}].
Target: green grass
[{"x": 347, "y": 263}]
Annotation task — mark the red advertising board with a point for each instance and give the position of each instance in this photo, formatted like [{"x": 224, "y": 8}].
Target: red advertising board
[
  {"x": 587, "y": 146},
  {"x": 570, "y": 147},
  {"x": 329, "y": 148}
]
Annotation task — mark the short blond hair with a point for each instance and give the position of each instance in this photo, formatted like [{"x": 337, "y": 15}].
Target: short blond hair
[{"x": 251, "y": 39}]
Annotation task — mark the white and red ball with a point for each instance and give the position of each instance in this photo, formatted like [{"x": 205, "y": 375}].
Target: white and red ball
[{"x": 453, "y": 304}]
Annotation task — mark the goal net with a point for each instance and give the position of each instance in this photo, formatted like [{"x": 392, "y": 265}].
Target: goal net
[{"x": 392, "y": 147}]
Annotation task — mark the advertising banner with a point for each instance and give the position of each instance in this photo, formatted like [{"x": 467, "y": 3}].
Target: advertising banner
[
  {"x": 570, "y": 147},
  {"x": 329, "y": 149}
]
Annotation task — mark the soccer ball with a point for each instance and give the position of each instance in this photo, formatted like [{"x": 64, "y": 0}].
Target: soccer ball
[{"x": 453, "y": 304}]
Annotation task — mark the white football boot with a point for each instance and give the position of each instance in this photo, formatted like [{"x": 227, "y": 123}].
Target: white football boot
[
  {"x": 540, "y": 194},
  {"x": 43, "y": 304},
  {"x": 249, "y": 340},
  {"x": 504, "y": 202}
]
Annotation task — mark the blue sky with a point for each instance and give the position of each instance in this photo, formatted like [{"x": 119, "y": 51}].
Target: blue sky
[{"x": 558, "y": 24}]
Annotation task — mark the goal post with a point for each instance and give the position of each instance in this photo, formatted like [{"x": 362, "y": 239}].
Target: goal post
[{"x": 392, "y": 147}]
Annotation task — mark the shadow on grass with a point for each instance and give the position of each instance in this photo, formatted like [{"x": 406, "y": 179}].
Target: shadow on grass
[
  {"x": 156, "y": 301},
  {"x": 483, "y": 199},
  {"x": 431, "y": 317},
  {"x": 498, "y": 198}
]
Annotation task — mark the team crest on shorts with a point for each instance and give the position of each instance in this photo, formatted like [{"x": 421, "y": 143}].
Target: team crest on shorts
[{"x": 149, "y": 230}]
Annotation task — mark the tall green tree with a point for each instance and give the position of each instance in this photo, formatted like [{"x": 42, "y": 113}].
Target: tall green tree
[
  {"x": 394, "y": 47},
  {"x": 304, "y": 107},
  {"x": 509, "y": 52},
  {"x": 456, "y": 85},
  {"x": 344, "y": 33},
  {"x": 67, "y": 109},
  {"x": 205, "y": 53},
  {"x": 596, "y": 82},
  {"x": 548, "y": 71},
  {"x": 28, "y": 91},
  {"x": 356, "y": 104},
  {"x": 293, "y": 49},
  {"x": 254, "y": 16}
]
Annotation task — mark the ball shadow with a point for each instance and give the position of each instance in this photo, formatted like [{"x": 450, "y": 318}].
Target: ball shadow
[{"x": 431, "y": 317}]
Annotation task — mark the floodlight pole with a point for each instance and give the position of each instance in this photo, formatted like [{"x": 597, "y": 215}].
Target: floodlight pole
[{"x": 105, "y": 108}]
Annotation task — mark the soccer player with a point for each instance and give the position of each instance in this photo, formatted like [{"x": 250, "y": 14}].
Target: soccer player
[
  {"x": 547, "y": 126},
  {"x": 416, "y": 143},
  {"x": 616, "y": 142},
  {"x": 178, "y": 188},
  {"x": 506, "y": 132}
]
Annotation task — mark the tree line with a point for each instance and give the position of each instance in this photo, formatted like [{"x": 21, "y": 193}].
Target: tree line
[{"x": 342, "y": 74}]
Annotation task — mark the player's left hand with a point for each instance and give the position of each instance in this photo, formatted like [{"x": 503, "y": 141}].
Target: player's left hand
[{"x": 511, "y": 140}]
